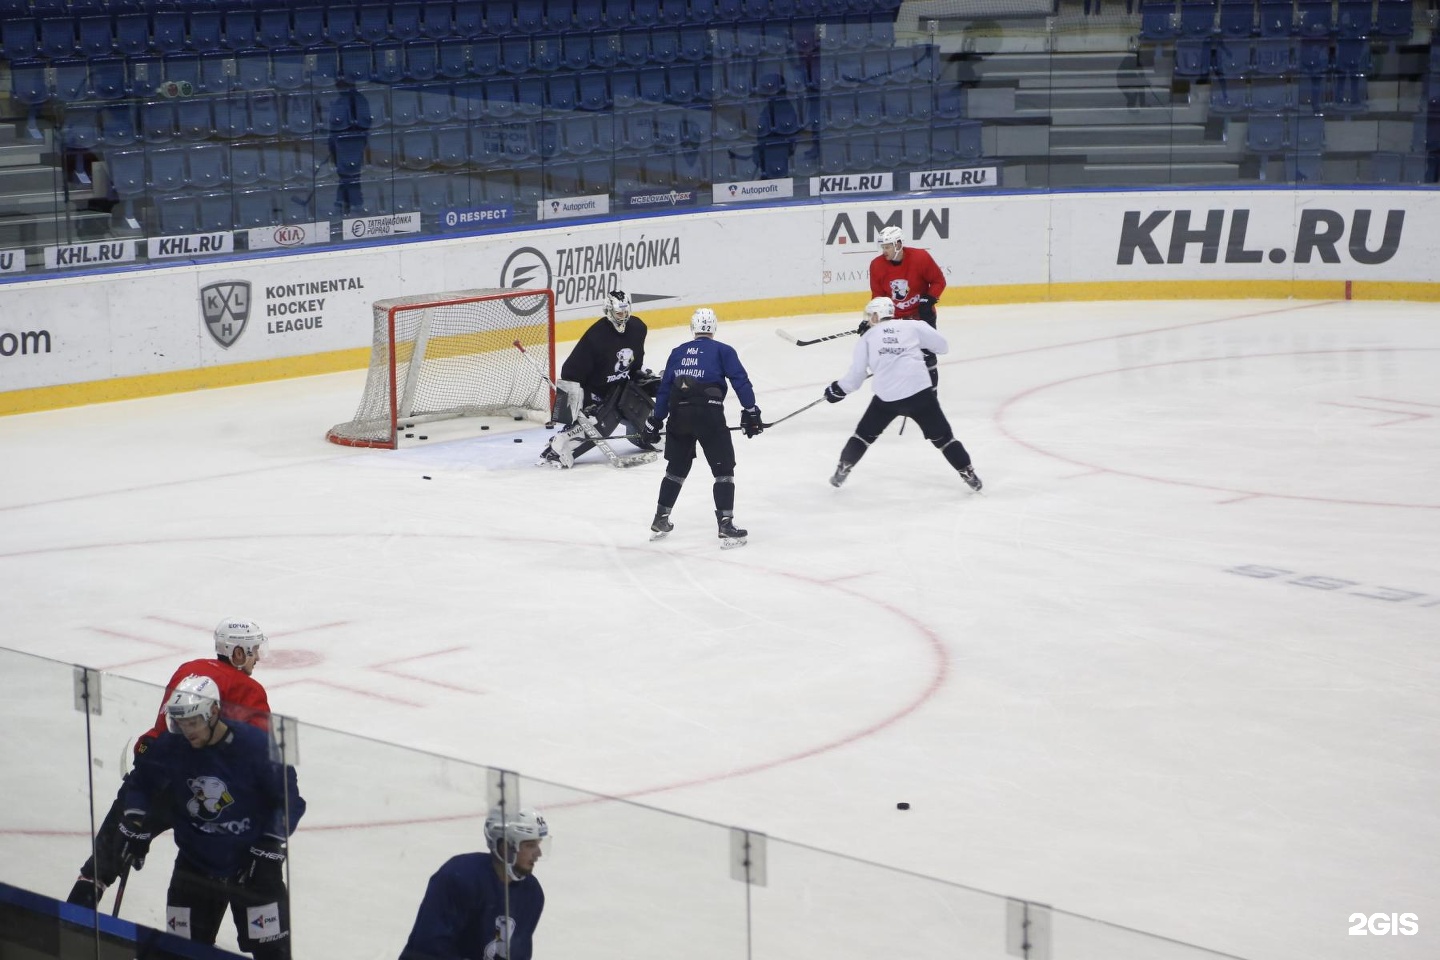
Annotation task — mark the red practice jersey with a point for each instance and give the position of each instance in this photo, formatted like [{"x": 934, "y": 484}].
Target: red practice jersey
[
  {"x": 241, "y": 696},
  {"x": 915, "y": 276}
]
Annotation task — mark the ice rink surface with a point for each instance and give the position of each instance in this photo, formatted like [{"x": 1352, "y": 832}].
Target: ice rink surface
[{"x": 1176, "y": 668}]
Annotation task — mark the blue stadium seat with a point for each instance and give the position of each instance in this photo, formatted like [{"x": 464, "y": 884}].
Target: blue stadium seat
[
  {"x": 469, "y": 19},
  {"x": 204, "y": 29},
  {"x": 1395, "y": 19},
  {"x": 422, "y": 61},
  {"x": 18, "y": 40},
  {"x": 452, "y": 59},
  {"x": 588, "y": 15},
  {"x": 166, "y": 169},
  {"x": 207, "y": 165},
  {"x": 500, "y": 98},
  {"x": 916, "y": 145},
  {"x": 1352, "y": 56},
  {"x": 529, "y": 96},
  {"x": 1349, "y": 94},
  {"x": 244, "y": 163},
  {"x": 769, "y": 77},
  {"x": 452, "y": 145},
  {"x": 1233, "y": 57},
  {"x": 264, "y": 113},
  {"x": 624, "y": 88},
  {"x": 80, "y": 129},
  {"x": 143, "y": 76},
  {"x": 723, "y": 45},
  {"x": 594, "y": 91},
  {"x": 1197, "y": 17},
  {"x": 176, "y": 215},
  {"x": 1272, "y": 56},
  {"x": 432, "y": 195},
  {"x": 750, "y": 39},
  {"x": 637, "y": 130},
  {"x": 215, "y": 213},
  {"x": 562, "y": 93},
  {"x": 252, "y": 70},
  {"x": 437, "y": 105},
  {"x": 635, "y": 47},
  {"x": 889, "y": 149},
  {"x": 1303, "y": 167},
  {"x": 1309, "y": 133},
  {"x": 605, "y": 134},
  {"x": 157, "y": 121},
  {"x": 515, "y": 55},
  {"x": 737, "y": 79},
  {"x": 256, "y": 209},
  {"x": 72, "y": 80},
  {"x": 355, "y": 64},
  {"x": 287, "y": 69},
  {"x": 194, "y": 119},
  {"x": 530, "y": 16},
  {"x": 577, "y": 134},
  {"x": 643, "y": 13},
  {"x": 694, "y": 43},
  {"x": 1271, "y": 95},
  {"x": 1277, "y": 19},
  {"x": 468, "y": 98},
  {"x": 404, "y": 20},
  {"x": 652, "y": 84},
  {"x": 575, "y": 51},
  {"x": 96, "y": 37},
  {"x": 1313, "y": 57},
  {"x": 57, "y": 37},
  {"x": 1237, "y": 19},
  {"x": 437, "y": 20},
  {"x": 957, "y": 141},
  {"x": 1157, "y": 20},
  {"x": 117, "y": 125},
  {"x": 1266, "y": 134},
  {"x": 869, "y": 106},
  {"x": 484, "y": 57},
  {"x": 545, "y": 52},
  {"x": 127, "y": 173},
  {"x": 232, "y": 116},
  {"x": 183, "y": 68},
  {"x": 1192, "y": 57},
  {"x": 417, "y": 148},
  {"x": 298, "y": 113},
  {"x": 1354, "y": 18},
  {"x": 949, "y": 101},
  {"x": 238, "y": 29},
  {"x": 682, "y": 83},
  {"x": 669, "y": 127},
  {"x": 372, "y": 23},
  {"x": 1314, "y": 18},
  {"x": 217, "y": 72},
  {"x": 273, "y": 27},
  {"x": 1228, "y": 99},
  {"x": 306, "y": 26}
]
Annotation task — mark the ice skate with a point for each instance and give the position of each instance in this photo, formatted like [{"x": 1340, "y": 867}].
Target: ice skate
[
  {"x": 968, "y": 475},
  {"x": 842, "y": 470},
  {"x": 661, "y": 526},
  {"x": 559, "y": 459},
  {"x": 730, "y": 535}
]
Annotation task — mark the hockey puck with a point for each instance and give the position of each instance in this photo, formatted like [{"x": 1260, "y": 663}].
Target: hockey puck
[
  {"x": 424, "y": 477},
  {"x": 519, "y": 440},
  {"x": 484, "y": 426},
  {"x": 410, "y": 435},
  {"x": 519, "y": 418},
  {"x": 422, "y": 437},
  {"x": 902, "y": 805}
]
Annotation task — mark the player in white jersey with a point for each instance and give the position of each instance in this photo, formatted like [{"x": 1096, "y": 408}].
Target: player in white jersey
[{"x": 891, "y": 349}]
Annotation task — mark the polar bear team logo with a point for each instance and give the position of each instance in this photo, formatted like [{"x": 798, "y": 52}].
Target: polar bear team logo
[
  {"x": 623, "y": 358},
  {"x": 899, "y": 289},
  {"x": 209, "y": 797}
]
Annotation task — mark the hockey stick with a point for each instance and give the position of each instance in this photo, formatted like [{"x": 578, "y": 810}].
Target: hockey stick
[
  {"x": 587, "y": 425},
  {"x": 767, "y": 426},
  {"x": 805, "y": 343},
  {"x": 120, "y": 890}
]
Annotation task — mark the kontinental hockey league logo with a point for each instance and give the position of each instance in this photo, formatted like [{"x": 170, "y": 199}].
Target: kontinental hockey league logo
[{"x": 225, "y": 307}]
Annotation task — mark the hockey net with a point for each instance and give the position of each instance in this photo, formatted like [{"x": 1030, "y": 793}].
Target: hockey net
[{"x": 446, "y": 355}]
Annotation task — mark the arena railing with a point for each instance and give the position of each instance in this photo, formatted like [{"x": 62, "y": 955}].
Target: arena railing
[{"x": 621, "y": 879}]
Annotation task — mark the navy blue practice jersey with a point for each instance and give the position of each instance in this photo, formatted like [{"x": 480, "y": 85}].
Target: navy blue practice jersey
[
  {"x": 463, "y": 914},
  {"x": 710, "y": 363}
]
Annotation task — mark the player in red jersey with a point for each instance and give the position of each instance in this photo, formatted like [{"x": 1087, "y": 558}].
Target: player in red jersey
[
  {"x": 912, "y": 279},
  {"x": 239, "y": 645}
]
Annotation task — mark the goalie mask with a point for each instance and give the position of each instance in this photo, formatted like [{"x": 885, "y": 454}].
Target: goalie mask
[
  {"x": 894, "y": 240},
  {"x": 879, "y": 310},
  {"x": 195, "y": 696},
  {"x": 238, "y": 634},
  {"x": 704, "y": 322},
  {"x": 507, "y": 835},
  {"x": 617, "y": 309}
]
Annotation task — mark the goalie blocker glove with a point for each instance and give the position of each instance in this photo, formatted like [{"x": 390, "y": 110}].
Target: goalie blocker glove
[
  {"x": 750, "y": 422},
  {"x": 833, "y": 393},
  {"x": 650, "y": 431},
  {"x": 264, "y": 866},
  {"x": 925, "y": 310},
  {"x": 134, "y": 839}
]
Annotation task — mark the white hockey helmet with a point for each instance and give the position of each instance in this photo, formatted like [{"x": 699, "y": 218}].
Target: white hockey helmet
[
  {"x": 879, "y": 310},
  {"x": 505, "y": 831},
  {"x": 195, "y": 696},
  {"x": 617, "y": 309},
  {"x": 238, "y": 632},
  {"x": 892, "y": 235},
  {"x": 704, "y": 321}
]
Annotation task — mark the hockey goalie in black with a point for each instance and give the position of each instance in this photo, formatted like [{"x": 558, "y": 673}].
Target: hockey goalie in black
[{"x": 603, "y": 378}]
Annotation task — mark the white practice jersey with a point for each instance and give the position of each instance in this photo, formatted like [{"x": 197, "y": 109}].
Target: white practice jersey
[{"x": 891, "y": 350}]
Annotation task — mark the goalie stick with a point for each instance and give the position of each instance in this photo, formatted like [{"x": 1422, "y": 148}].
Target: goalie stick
[
  {"x": 805, "y": 343},
  {"x": 586, "y": 425}
]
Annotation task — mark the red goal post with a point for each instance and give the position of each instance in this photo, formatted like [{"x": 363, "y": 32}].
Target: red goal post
[{"x": 445, "y": 355}]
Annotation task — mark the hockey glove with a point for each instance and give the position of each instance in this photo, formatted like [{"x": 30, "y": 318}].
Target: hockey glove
[
  {"x": 864, "y": 325},
  {"x": 925, "y": 310},
  {"x": 264, "y": 866},
  {"x": 833, "y": 393},
  {"x": 750, "y": 422},
  {"x": 134, "y": 839},
  {"x": 650, "y": 432}
]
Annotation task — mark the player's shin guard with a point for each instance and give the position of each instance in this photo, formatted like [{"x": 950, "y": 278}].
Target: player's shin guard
[
  {"x": 855, "y": 448},
  {"x": 933, "y": 365},
  {"x": 724, "y": 493},
  {"x": 954, "y": 452}
]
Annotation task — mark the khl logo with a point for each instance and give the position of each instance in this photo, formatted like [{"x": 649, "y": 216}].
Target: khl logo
[{"x": 225, "y": 308}]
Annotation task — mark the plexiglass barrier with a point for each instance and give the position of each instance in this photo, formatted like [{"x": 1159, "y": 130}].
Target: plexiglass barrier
[
  {"x": 202, "y": 132},
  {"x": 622, "y": 881}
]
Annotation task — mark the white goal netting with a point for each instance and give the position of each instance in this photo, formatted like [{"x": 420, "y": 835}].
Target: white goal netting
[{"x": 438, "y": 356}]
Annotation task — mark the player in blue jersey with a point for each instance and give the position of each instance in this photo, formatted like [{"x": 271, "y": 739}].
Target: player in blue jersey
[
  {"x": 233, "y": 806},
  {"x": 692, "y": 393},
  {"x": 482, "y": 906}
]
